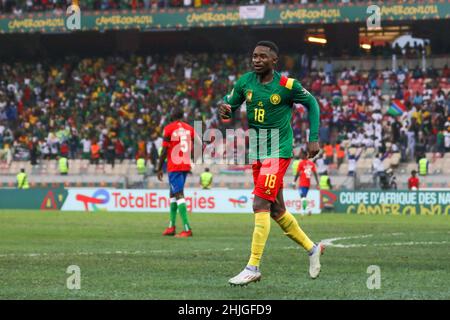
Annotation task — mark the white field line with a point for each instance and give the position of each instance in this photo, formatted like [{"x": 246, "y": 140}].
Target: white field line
[
  {"x": 61, "y": 254},
  {"x": 330, "y": 242},
  {"x": 327, "y": 242},
  {"x": 410, "y": 243},
  {"x": 118, "y": 252}
]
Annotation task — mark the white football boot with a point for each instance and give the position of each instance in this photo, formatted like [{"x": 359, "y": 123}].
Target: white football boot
[
  {"x": 245, "y": 277},
  {"x": 314, "y": 261}
]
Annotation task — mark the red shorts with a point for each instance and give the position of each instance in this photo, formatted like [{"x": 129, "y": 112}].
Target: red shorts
[{"x": 268, "y": 177}]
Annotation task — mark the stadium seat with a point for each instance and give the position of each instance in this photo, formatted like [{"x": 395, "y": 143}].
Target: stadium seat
[
  {"x": 126, "y": 169},
  {"x": 116, "y": 170},
  {"x": 446, "y": 168},
  {"x": 369, "y": 153},
  {"x": 14, "y": 168},
  {"x": 387, "y": 163},
  {"x": 4, "y": 168},
  {"x": 84, "y": 165},
  {"x": 442, "y": 164},
  {"x": 75, "y": 166},
  {"x": 364, "y": 164},
  {"x": 108, "y": 169},
  {"x": 395, "y": 160},
  {"x": 91, "y": 169},
  {"x": 410, "y": 167},
  {"x": 53, "y": 167},
  {"x": 100, "y": 168},
  {"x": 343, "y": 169}
]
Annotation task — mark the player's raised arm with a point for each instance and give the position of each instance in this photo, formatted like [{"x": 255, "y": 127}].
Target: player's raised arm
[
  {"x": 301, "y": 95},
  {"x": 232, "y": 101}
]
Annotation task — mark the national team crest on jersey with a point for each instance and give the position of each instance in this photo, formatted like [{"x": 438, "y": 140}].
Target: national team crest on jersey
[
  {"x": 249, "y": 96},
  {"x": 275, "y": 99}
]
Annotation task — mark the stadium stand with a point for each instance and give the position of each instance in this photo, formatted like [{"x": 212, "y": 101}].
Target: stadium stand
[{"x": 78, "y": 101}]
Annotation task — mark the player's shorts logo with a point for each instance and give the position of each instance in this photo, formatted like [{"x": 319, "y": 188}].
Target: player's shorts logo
[
  {"x": 249, "y": 96},
  {"x": 275, "y": 98},
  {"x": 268, "y": 192}
]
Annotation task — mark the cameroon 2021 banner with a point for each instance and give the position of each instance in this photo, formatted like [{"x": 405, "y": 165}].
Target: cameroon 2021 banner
[
  {"x": 176, "y": 18},
  {"x": 387, "y": 202}
]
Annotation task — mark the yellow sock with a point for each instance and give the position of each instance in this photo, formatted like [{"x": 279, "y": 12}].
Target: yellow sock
[
  {"x": 291, "y": 228},
  {"x": 260, "y": 235}
]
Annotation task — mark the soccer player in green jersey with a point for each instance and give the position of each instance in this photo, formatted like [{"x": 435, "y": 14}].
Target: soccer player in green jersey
[{"x": 269, "y": 98}]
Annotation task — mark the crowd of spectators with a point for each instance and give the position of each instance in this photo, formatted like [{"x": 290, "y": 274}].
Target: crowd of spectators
[
  {"x": 115, "y": 107},
  {"x": 409, "y": 51},
  {"x": 20, "y": 6},
  {"x": 66, "y": 107},
  {"x": 355, "y": 108}
]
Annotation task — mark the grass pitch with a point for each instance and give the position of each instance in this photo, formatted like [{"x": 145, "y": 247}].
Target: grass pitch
[{"x": 124, "y": 256}]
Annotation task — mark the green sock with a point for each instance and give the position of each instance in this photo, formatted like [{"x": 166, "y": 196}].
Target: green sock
[
  {"x": 183, "y": 213},
  {"x": 304, "y": 203},
  {"x": 173, "y": 212}
]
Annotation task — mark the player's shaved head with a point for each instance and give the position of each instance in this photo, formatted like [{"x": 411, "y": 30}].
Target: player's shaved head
[
  {"x": 269, "y": 44},
  {"x": 303, "y": 155},
  {"x": 177, "y": 114}
]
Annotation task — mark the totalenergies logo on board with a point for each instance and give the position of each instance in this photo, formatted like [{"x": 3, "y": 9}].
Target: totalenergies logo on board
[
  {"x": 131, "y": 200},
  {"x": 101, "y": 196},
  {"x": 240, "y": 202}
]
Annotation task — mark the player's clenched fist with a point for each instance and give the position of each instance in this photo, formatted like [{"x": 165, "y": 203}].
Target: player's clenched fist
[
  {"x": 225, "y": 111},
  {"x": 313, "y": 149}
]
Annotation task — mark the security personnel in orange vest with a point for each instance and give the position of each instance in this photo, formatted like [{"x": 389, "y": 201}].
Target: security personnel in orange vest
[
  {"x": 328, "y": 149},
  {"x": 95, "y": 153},
  {"x": 340, "y": 153}
]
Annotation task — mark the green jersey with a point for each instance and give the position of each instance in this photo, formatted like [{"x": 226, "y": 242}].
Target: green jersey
[{"x": 269, "y": 113}]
